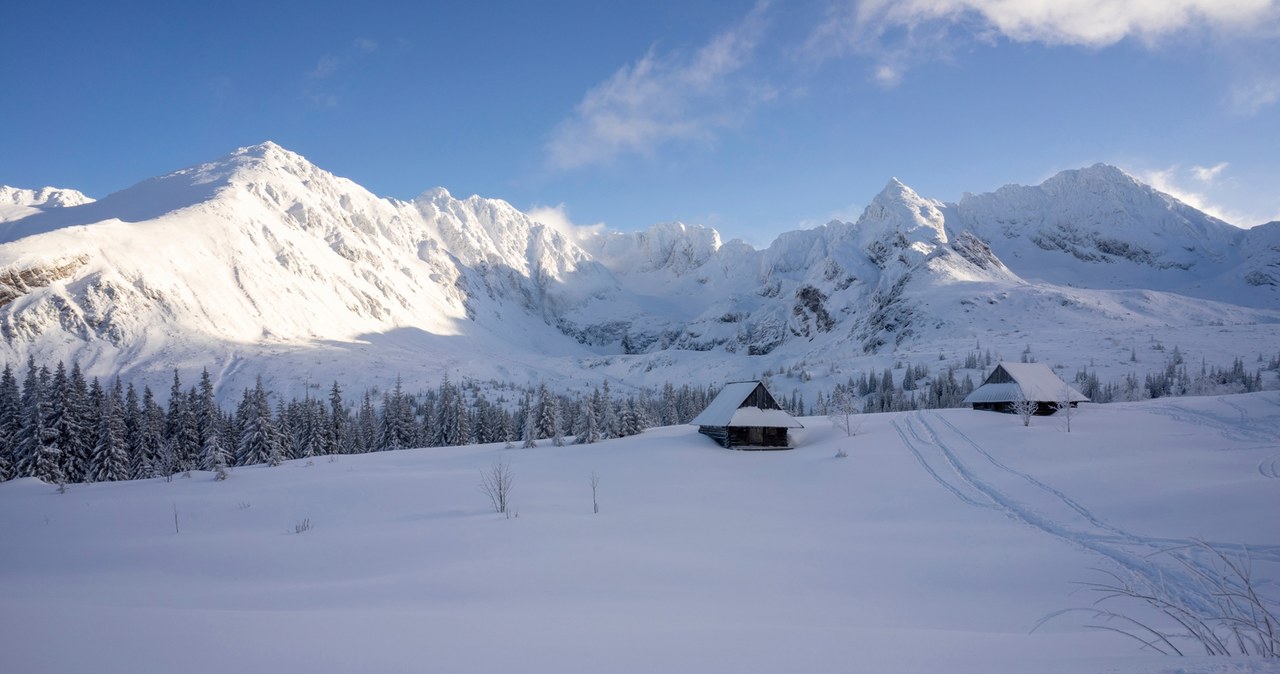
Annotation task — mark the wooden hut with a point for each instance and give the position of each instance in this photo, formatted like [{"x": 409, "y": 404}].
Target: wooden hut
[
  {"x": 745, "y": 416},
  {"x": 1030, "y": 381}
]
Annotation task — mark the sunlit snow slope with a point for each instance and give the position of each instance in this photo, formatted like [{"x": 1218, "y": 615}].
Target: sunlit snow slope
[
  {"x": 935, "y": 546},
  {"x": 262, "y": 263}
]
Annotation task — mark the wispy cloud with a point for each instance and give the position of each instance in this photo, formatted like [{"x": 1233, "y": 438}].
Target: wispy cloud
[
  {"x": 898, "y": 34},
  {"x": 662, "y": 98},
  {"x": 1202, "y": 187},
  {"x": 326, "y": 66},
  {"x": 557, "y": 217},
  {"x": 330, "y": 66},
  {"x": 1208, "y": 174},
  {"x": 1251, "y": 96}
]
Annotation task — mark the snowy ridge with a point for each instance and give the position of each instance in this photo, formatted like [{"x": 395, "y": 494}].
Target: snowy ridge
[
  {"x": 261, "y": 261},
  {"x": 1103, "y": 226}
]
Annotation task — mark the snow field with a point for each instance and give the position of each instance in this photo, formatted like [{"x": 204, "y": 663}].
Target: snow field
[{"x": 935, "y": 546}]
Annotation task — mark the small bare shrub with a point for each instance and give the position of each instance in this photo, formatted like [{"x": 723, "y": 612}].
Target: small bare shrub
[
  {"x": 303, "y": 526},
  {"x": 496, "y": 482},
  {"x": 1219, "y": 608}
]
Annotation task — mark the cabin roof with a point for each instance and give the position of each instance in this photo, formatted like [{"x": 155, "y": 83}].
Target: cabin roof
[
  {"x": 726, "y": 410},
  {"x": 1034, "y": 380}
]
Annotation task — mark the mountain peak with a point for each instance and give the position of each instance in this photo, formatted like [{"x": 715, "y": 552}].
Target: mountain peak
[
  {"x": 898, "y": 208},
  {"x": 896, "y": 189},
  {"x": 1093, "y": 177}
]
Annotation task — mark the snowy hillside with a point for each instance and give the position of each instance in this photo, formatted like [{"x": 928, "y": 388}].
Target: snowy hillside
[
  {"x": 262, "y": 263},
  {"x": 1123, "y": 233},
  {"x": 938, "y": 544}
]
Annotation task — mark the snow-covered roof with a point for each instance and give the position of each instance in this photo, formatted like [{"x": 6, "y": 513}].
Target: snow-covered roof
[
  {"x": 726, "y": 410},
  {"x": 1034, "y": 380}
]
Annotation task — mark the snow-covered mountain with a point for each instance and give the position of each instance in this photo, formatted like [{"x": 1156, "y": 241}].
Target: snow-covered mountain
[{"x": 260, "y": 262}]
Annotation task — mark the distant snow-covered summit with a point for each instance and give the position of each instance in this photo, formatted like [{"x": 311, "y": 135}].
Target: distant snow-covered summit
[{"x": 261, "y": 260}]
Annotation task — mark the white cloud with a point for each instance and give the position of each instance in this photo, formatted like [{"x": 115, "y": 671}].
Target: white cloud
[
  {"x": 1205, "y": 189},
  {"x": 366, "y": 45},
  {"x": 557, "y": 218},
  {"x": 1251, "y": 96},
  {"x": 663, "y": 98},
  {"x": 1208, "y": 175},
  {"x": 326, "y": 66},
  {"x": 1092, "y": 23},
  {"x": 897, "y": 34}
]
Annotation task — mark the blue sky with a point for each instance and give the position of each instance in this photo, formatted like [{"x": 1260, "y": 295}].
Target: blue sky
[{"x": 752, "y": 117}]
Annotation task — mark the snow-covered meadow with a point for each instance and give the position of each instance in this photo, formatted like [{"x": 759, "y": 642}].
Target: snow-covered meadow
[{"x": 936, "y": 545}]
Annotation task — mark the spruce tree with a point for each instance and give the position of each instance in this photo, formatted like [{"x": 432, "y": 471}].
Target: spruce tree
[
  {"x": 340, "y": 420},
  {"x": 110, "y": 460},
  {"x": 151, "y": 440},
  {"x": 531, "y": 428},
  {"x": 10, "y": 422},
  {"x": 606, "y": 414},
  {"x": 588, "y": 432},
  {"x": 180, "y": 427},
  {"x": 367, "y": 421},
  {"x": 67, "y": 419},
  {"x": 258, "y": 440},
  {"x": 38, "y": 451}
]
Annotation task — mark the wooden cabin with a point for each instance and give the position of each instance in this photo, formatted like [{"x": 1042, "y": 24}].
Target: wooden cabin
[
  {"x": 1032, "y": 381},
  {"x": 745, "y": 416}
]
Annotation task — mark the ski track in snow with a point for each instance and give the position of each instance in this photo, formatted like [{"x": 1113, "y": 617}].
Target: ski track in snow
[
  {"x": 1243, "y": 427},
  {"x": 977, "y": 478},
  {"x": 1270, "y": 467}
]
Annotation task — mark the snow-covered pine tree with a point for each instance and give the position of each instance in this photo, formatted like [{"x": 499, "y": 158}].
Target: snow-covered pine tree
[
  {"x": 508, "y": 429},
  {"x": 132, "y": 425},
  {"x": 282, "y": 430},
  {"x": 549, "y": 423},
  {"x": 445, "y": 415},
  {"x": 367, "y": 425},
  {"x": 146, "y": 455},
  {"x": 630, "y": 421},
  {"x": 323, "y": 441},
  {"x": 207, "y": 416},
  {"x": 66, "y": 419},
  {"x": 523, "y": 415},
  {"x": 670, "y": 413},
  {"x": 396, "y": 424},
  {"x": 259, "y": 442},
  {"x": 110, "y": 462},
  {"x": 340, "y": 418},
  {"x": 215, "y": 454},
  {"x": 387, "y": 417},
  {"x": 607, "y": 414},
  {"x": 465, "y": 432},
  {"x": 483, "y": 429},
  {"x": 409, "y": 426},
  {"x": 38, "y": 453},
  {"x": 587, "y": 431},
  {"x": 84, "y": 410},
  {"x": 10, "y": 422},
  {"x": 530, "y": 427},
  {"x": 180, "y": 427},
  {"x": 294, "y": 429}
]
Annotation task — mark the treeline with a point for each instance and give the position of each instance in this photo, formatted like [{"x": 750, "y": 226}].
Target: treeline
[
  {"x": 1175, "y": 380},
  {"x": 63, "y": 428},
  {"x": 878, "y": 393},
  {"x": 918, "y": 389}
]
